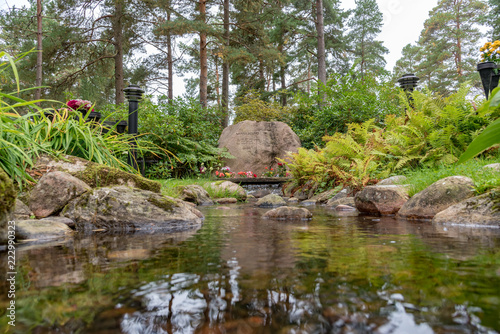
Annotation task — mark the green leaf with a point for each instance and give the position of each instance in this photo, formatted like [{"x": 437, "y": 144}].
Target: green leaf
[{"x": 489, "y": 137}]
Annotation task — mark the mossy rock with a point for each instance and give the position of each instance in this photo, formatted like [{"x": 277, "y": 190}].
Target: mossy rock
[
  {"x": 7, "y": 202},
  {"x": 94, "y": 174},
  {"x": 97, "y": 175}
]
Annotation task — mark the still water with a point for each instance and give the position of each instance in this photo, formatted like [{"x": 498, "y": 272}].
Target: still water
[{"x": 241, "y": 274}]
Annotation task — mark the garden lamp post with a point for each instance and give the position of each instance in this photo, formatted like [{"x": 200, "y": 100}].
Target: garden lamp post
[
  {"x": 134, "y": 95},
  {"x": 409, "y": 82}
]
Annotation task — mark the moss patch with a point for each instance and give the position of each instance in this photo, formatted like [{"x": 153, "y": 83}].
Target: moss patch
[
  {"x": 7, "y": 193},
  {"x": 97, "y": 175},
  {"x": 162, "y": 202}
]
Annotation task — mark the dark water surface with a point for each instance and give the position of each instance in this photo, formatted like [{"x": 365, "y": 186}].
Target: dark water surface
[{"x": 242, "y": 274}]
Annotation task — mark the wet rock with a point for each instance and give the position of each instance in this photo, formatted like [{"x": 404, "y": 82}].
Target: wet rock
[
  {"x": 437, "y": 197},
  {"x": 309, "y": 202},
  {"x": 53, "y": 191},
  {"x": 58, "y": 219},
  {"x": 288, "y": 213},
  {"x": 7, "y": 202},
  {"x": 228, "y": 200},
  {"x": 123, "y": 209},
  {"x": 195, "y": 194},
  {"x": 383, "y": 200},
  {"x": 270, "y": 200},
  {"x": 94, "y": 174},
  {"x": 393, "y": 180},
  {"x": 41, "y": 230},
  {"x": 479, "y": 210},
  {"x": 342, "y": 207},
  {"x": 341, "y": 194},
  {"x": 495, "y": 167},
  {"x": 324, "y": 196},
  {"x": 21, "y": 211},
  {"x": 256, "y": 145},
  {"x": 261, "y": 193},
  {"x": 341, "y": 201},
  {"x": 231, "y": 188},
  {"x": 292, "y": 200}
]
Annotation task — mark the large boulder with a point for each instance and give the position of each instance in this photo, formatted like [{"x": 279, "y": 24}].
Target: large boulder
[
  {"x": 383, "y": 200},
  {"x": 271, "y": 200},
  {"x": 256, "y": 145},
  {"x": 228, "y": 189},
  {"x": 479, "y": 210},
  {"x": 53, "y": 191},
  {"x": 124, "y": 209},
  {"x": 195, "y": 194},
  {"x": 7, "y": 202},
  {"x": 437, "y": 197},
  {"x": 94, "y": 174},
  {"x": 42, "y": 229},
  {"x": 288, "y": 213}
]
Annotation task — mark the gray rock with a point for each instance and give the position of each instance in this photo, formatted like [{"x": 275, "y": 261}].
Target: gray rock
[
  {"x": 229, "y": 200},
  {"x": 342, "y": 207},
  {"x": 495, "y": 167},
  {"x": 261, "y": 193},
  {"x": 341, "y": 201},
  {"x": 230, "y": 188},
  {"x": 308, "y": 202},
  {"x": 270, "y": 200},
  {"x": 393, "y": 180},
  {"x": 58, "y": 219},
  {"x": 437, "y": 197},
  {"x": 41, "y": 230},
  {"x": 288, "y": 213},
  {"x": 94, "y": 174},
  {"x": 195, "y": 194},
  {"x": 256, "y": 145},
  {"x": 123, "y": 209},
  {"x": 341, "y": 194},
  {"x": 21, "y": 211},
  {"x": 479, "y": 210},
  {"x": 292, "y": 200},
  {"x": 324, "y": 196},
  {"x": 53, "y": 191},
  {"x": 7, "y": 202},
  {"x": 383, "y": 200}
]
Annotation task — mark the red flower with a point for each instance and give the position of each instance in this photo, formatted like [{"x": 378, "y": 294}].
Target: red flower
[
  {"x": 255, "y": 174},
  {"x": 265, "y": 167}
]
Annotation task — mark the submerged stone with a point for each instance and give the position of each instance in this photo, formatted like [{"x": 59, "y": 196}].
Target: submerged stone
[
  {"x": 270, "y": 200},
  {"x": 42, "y": 230},
  {"x": 289, "y": 213}
]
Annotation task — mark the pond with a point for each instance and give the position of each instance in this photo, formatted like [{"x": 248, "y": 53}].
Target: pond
[{"x": 241, "y": 274}]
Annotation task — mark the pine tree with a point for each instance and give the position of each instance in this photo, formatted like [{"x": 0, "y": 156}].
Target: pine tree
[
  {"x": 366, "y": 24},
  {"x": 449, "y": 44},
  {"x": 494, "y": 19},
  {"x": 408, "y": 62}
]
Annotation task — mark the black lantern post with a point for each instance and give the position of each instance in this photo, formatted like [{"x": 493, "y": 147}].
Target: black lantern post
[
  {"x": 488, "y": 79},
  {"x": 409, "y": 82},
  {"x": 134, "y": 95}
]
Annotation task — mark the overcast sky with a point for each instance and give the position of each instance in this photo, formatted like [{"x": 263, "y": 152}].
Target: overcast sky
[{"x": 403, "y": 22}]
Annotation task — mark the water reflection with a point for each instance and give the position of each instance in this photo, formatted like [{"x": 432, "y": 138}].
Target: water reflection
[{"x": 242, "y": 274}]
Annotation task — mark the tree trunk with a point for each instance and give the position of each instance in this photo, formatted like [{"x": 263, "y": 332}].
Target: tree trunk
[
  {"x": 225, "y": 67},
  {"x": 321, "y": 48},
  {"x": 170, "y": 91},
  {"x": 118, "y": 43},
  {"x": 203, "y": 58},
  {"x": 458, "y": 55},
  {"x": 38, "y": 91}
]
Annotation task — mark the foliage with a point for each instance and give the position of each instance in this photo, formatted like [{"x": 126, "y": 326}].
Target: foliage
[
  {"x": 491, "y": 135},
  {"x": 55, "y": 132},
  {"x": 349, "y": 99},
  {"x": 170, "y": 188},
  {"x": 187, "y": 130},
  {"x": 252, "y": 107},
  {"x": 436, "y": 132}
]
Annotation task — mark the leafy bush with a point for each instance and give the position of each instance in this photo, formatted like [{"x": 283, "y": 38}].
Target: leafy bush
[
  {"x": 435, "y": 133},
  {"x": 348, "y": 100},
  {"x": 187, "y": 130},
  {"x": 252, "y": 107}
]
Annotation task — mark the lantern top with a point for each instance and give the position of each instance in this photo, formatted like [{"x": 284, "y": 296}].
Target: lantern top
[
  {"x": 133, "y": 92},
  {"x": 408, "y": 80}
]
